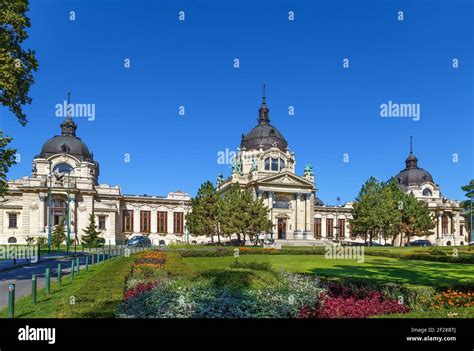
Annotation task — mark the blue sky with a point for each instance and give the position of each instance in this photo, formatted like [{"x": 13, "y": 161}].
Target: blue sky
[{"x": 190, "y": 63}]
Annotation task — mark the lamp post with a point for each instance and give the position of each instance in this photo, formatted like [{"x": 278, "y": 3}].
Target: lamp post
[
  {"x": 68, "y": 215},
  {"x": 50, "y": 176}
]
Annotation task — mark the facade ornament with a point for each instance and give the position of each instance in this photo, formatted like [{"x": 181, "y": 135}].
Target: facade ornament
[
  {"x": 220, "y": 179},
  {"x": 254, "y": 166},
  {"x": 308, "y": 170},
  {"x": 237, "y": 167}
]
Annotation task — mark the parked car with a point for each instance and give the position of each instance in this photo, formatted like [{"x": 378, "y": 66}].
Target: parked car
[
  {"x": 138, "y": 241},
  {"x": 373, "y": 243},
  {"x": 419, "y": 243}
]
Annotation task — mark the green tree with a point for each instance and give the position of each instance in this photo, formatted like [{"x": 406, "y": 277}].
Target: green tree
[
  {"x": 203, "y": 218},
  {"x": 467, "y": 205},
  {"x": 91, "y": 233},
  {"x": 364, "y": 220},
  {"x": 243, "y": 215},
  {"x": 384, "y": 210},
  {"x": 16, "y": 64},
  {"x": 58, "y": 236},
  {"x": 7, "y": 159},
  {"x": 230, "y": 218},
  {"x": 16, "y": 78}
]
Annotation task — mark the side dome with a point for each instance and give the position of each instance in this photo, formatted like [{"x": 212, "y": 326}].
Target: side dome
[
  {"x": 264, "y": 135},
  {"x": 66, "y": 143},
  {"x": 412, "y": 174}
]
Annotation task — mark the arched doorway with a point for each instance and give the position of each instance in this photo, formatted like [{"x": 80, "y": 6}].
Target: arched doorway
[{"x": 281, "y": 228}]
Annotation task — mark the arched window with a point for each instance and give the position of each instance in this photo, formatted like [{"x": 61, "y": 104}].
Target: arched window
[
  {"x": 12, "y": 240},
  {"x": 427, "y": 192},
  {"x": 274, "y": 164},
  {"x": 63, "y": 168}
]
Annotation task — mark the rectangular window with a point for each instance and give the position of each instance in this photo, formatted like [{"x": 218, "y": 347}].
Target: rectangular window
[
  {"x": 178, "y": 222},
  {"x": 102, "y": 222},
  {"x": 329, "y": 227},
  {"x": 12, "y": 220},
  {"x": 341, "y": 230},
  {"x": 444, "y": 224},
  {"x": 267, "y": 164},
  {"x": 127, "y": 221},
  {"x": 317, "y": 227},
  {"x": 145, "y": 220},
  {"x": 162, "y": 222}
]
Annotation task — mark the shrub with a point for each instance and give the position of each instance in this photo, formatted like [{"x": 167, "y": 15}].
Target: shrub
[
  {"x": 256, "y": 266},
  {"x": 200, "y": 300}
]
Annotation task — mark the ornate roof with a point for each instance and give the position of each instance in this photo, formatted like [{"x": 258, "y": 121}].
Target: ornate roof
[
  {"x": 264, "y": 135},
  {"x": 412, "y": 174},
  {"x": 66, "y": 143}
]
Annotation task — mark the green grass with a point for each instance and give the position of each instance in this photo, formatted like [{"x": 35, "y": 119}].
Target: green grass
[
  {"x": 96, "y": 293},
  {"x": 458, "y": 312},
  {"x": 380, "y": 269}
]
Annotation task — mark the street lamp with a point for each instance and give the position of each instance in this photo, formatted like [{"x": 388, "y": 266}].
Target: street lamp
[
  {"x": 50, "y": 176},
  {"x": 68, "y": 215}
]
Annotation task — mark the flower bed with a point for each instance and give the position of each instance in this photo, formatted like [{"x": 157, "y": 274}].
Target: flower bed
[
  {"x": 342, "y": 302},
  {"x": 451, "y": 299}
]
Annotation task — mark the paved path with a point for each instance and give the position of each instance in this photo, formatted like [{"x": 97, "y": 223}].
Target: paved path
[{"x": 21, "y": 276}]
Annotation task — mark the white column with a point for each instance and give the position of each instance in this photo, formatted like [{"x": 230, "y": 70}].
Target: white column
[
  {"x": 170, "y": 222},
  {"x": 439, "y": 233},
  {"x": 154, "y": 221},
  {"x": 309, "y": 216},
  {"x": 136, "y": 220},
  {"x": 42, "y": 209},
  {"x": 298, "y": 234},
  {"x": 72, "y": 216},
  {"x": 323, "y": 227}
]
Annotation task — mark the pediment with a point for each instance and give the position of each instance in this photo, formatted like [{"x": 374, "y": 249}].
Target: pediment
[
  {"x": 286, "y": 178},
  {"x": 11, "y": 203}
]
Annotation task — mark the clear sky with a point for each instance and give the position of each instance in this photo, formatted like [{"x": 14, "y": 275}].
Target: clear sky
[{"x": 190, "y": 63}]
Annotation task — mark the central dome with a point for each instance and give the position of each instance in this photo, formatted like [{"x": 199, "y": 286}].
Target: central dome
[
  {"x": 412, "y": 174},
  {"x": 264, "y": 135},
  {"x": 66, "y": 143}
]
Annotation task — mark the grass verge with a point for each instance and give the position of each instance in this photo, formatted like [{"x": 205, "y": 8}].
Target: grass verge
[{"x": 92, "y": 294}]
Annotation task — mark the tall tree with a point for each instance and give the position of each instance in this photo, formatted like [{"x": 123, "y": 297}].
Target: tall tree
[
  {"x": 242, "y": 215},
  {"x": 91, "y": 232},
  {"x": 7, "y": 159},
  {"x": 16, "y": 64},
  {"x": 384, "y": 210},
  {"x": 364, "y": 218},
  {"x": 16, "y": 73},
  {"x": 467, "y": 206},
  {"x": 203, "y": 218}
]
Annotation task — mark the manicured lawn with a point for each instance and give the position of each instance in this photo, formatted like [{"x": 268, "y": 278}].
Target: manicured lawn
[
  {"x": 96, "y": 293},
  {"x": 382, "y": 269}
]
